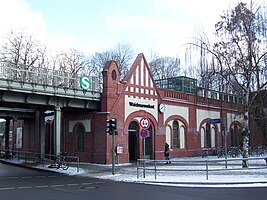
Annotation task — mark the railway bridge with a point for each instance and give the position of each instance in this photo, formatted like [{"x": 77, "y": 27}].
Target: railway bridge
[{"x": 40, "y": 94}]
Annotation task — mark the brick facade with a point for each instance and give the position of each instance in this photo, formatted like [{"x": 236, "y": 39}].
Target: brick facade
[
  {"x": 183, "y": 124},
  {"x": 136, "y": 97}
]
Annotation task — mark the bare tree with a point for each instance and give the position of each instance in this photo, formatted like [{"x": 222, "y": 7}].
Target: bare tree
[
  {"x": 73, "y": 62},
  {"x": 68, "y": 65},
  {"x": 21, "y": 48},
  {"x": 239, "y": 54},
  {"x": 123, "y": 54},
  {"x": 23, "y": 53},
  {"x": 165, "y": 67}
]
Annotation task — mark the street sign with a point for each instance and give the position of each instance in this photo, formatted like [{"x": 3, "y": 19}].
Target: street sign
[
  {"x": 144, "y": 133},
  {"x": 215, "y": 121},
  {"x": 145, "y": 123}
]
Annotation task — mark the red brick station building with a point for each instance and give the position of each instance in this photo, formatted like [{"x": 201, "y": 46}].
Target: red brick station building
[{"x": 149, "y": 114}]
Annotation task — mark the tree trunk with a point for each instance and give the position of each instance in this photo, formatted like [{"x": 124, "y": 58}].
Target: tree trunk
[{"x": 246, "y": 132}]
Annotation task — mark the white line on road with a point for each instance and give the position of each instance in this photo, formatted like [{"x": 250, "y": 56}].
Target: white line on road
[
  {"x": 41, "y": 186},
  {"x": 7, "y": 188},
  {"x": 57, "y": 185},
  {"x": 25, "y": 187},
  {"x": 72, "y": 184},
  {"x": 86, "y": 183}
]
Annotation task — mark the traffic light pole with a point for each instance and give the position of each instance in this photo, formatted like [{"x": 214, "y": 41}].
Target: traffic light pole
[{"x": 112, "y": 129}]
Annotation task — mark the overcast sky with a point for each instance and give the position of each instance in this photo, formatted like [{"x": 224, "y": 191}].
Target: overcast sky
[{"x": 88, "y": 26}]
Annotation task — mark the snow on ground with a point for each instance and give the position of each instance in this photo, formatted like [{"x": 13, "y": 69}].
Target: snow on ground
[{"x": 237, "y": 177}]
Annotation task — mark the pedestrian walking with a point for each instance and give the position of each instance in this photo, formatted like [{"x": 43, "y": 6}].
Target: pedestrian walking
[{"x": 167, "y": 153}]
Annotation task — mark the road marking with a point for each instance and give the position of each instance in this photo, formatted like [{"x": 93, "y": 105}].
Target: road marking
[
  {"x": 25, "y": 187},
  {"x": 86, "y": 183},
  {"x": 72, "y": 184},
  {"x": 7, "y": 188},
  {"x": 26, "y": 177},
  {"x": 92, "y": 187},
  {"x": 12, "y": 177},
  {"x": 57, "y": 185},
  {"x": 87, "y": 186},
  {"x": 41, "y": 186}
]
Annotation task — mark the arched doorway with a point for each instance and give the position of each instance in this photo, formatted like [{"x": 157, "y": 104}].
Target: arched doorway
[
  {"x": 80, "y": 132},
  {"x": 139, "y": 147},
  {"x": 133, "y": 142},
  {"x": 147, "y": 144}
]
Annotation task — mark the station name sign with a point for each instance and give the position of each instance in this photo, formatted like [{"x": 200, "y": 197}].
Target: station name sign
[{"x": 141, "y": 105}]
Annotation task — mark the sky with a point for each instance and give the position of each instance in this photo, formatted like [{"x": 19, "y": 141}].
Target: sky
[{"x": 160, "y": 26}]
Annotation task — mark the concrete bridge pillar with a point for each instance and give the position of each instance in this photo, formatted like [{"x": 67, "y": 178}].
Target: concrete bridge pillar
[
  {"x": 7, "y": 135},
  {"x": 14, "y": 136},
  {"x": 57, "y": 128},
  {"x": 42, "y": 132}
]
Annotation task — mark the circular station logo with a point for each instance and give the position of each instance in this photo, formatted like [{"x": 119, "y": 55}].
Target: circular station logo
[{"x": 85, "y": 83}]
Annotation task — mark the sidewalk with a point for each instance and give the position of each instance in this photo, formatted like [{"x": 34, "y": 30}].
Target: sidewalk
[{"x": 128, "y": 173}]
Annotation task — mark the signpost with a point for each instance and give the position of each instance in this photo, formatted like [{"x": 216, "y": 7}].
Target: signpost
[
  {"x": 221, "y": 121},
  {"x": 144, "y": 133},
  {"x": 216, "y": 121},
  {"x": 145, "y": 124}
]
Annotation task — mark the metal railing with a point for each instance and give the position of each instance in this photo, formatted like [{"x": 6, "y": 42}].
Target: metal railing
[
  {"x": 35, "y": 158},
  {"x": 44, "y": 76},
  {"x": 204, "y": 165}
]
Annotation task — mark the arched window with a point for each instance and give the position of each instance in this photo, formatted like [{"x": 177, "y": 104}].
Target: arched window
[
  {"x": 168, "y": 135},
  {"x": 80, "y": 137},
  {"x": 202, "y": 137},
  {"x": 182, "y": 137},
  {"x": 232, "y": 137},
  {"x": 175, "y": 132},
  {"x": 208, "y": 136},
  {"x": 237, "y": 134}
]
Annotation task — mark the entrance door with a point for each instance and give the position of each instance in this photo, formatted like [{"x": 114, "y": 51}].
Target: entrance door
[
  {"x": 133, "y": 132},
  {"x": 147, "y": 144}
]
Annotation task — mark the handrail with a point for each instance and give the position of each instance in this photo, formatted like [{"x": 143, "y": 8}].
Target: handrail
[
  {"x": 44, "y": 76},
  {"x": 143, "y": 164},
  {"x": 36, "y": 157}
]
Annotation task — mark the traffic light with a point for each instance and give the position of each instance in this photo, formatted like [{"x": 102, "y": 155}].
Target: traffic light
[{"x": 112, "y": 125}]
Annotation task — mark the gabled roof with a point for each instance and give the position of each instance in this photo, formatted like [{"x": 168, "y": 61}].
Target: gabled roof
[{"x": 139, "y": 80}]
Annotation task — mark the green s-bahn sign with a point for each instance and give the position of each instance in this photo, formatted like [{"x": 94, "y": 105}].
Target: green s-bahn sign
[{"x": 85, "y": 83}]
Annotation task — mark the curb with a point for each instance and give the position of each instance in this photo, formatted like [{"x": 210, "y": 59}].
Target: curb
[
  {"x": 26, "y": 166},
  {"x": 206, "y": 183}
]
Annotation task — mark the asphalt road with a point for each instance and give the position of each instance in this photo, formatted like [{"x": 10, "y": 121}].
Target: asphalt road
[{"x": 24, "y": 183}]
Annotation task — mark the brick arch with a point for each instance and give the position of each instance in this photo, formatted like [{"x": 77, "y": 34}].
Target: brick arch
[
  {"x": 133, "y": 115},
  {"x": 235, "y": 123},
  {"x": 176, "y": 117},
  {"x": 76, "y": 125},
  {"x": 204, "y": 121},
  {"x": 212, "y": 126},
  {"x": 235, "y": 140},
  {"x": 154, "y": 126},
  {"x": 185, "y": 126}
]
